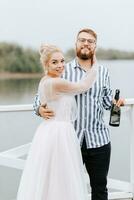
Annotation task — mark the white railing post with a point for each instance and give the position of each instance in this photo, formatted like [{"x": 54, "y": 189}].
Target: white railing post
[{"x": 132, "y": 149}]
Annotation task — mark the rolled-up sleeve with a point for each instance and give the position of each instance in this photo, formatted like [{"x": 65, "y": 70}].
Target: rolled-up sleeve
[{"x": 107, "y": 92}]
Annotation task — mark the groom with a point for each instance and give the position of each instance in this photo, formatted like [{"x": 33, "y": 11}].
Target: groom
[{"x": 92, "y": 132}]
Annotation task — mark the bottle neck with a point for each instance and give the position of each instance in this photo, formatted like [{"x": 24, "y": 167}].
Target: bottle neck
[{"x": 117, "y": 95}]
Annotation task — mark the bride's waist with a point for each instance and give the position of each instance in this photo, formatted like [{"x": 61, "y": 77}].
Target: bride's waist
[{"x": 59, "y": 120}]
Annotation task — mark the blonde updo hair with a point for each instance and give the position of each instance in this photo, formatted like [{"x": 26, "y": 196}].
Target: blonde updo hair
[{"x": 46, "y": 51}]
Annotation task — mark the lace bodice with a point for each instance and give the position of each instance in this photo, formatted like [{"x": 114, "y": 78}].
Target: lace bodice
[
  {"x": 65, "y": 108},
  {"x": 58, "y": 94}
]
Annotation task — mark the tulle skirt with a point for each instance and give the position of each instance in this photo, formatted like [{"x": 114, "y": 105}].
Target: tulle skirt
[{"x": 54, "y": 168}]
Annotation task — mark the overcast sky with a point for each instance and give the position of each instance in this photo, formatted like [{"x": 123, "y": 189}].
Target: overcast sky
[{"x": 32, "y": 22}]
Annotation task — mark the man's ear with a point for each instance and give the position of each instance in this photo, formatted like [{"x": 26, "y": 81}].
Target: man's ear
[{"x": 95, "y": 45}]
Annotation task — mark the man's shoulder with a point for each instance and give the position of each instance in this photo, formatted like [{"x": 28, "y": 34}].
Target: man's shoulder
[
  {"x": 71, "y": 63},
  {"x": 102, "y": 67},
  {"x": 69, "y": 67}
]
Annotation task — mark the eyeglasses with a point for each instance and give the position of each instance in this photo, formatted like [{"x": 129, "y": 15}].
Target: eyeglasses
[{"x": 89, "y": 41}]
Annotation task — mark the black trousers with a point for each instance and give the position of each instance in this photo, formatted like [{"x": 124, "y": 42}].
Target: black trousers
[{"x": 97, "y": 162}]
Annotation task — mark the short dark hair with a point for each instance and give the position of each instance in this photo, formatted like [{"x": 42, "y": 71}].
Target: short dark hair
[{"x": 87, "y": 30}]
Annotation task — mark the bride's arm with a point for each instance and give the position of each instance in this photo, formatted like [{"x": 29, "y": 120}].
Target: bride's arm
[{"x": 64, "y": 86}]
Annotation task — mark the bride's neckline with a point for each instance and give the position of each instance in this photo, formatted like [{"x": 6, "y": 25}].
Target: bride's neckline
[
  {"x": 45, "y": 78},
  {"x": 49, "y": 77}
]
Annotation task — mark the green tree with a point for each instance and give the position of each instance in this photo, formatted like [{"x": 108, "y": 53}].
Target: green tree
[{"x": 14, "y": 58}]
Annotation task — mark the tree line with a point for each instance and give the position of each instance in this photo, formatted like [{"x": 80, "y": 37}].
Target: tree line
[
  {"x": 105, "y": 54},
  {"x": 15, "y": 58}
]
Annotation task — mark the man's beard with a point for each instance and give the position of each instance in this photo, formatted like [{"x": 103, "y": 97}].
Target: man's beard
[{"x": 84, "y": 56}]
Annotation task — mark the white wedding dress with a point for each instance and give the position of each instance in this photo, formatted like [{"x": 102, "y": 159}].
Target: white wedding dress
[{"x": 54, "y": 168}]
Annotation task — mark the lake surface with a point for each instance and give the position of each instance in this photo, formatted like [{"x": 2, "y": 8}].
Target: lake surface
[{"x": 18, "y": 128}]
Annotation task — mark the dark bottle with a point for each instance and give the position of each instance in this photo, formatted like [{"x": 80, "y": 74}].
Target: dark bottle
[{"x": 115, "y": 111}]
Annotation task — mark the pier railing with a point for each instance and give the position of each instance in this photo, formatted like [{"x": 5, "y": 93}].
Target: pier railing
[{"x": 123, "y": 189}]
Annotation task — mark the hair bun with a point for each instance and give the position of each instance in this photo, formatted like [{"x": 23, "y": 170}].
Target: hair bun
[{"x": 44, "y": 48}]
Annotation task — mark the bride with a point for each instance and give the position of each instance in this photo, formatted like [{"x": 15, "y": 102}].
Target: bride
[{"x": 54, "y": 168}]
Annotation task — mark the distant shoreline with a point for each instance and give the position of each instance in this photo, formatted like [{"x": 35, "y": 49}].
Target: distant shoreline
[{"x": 7, "y": 75}]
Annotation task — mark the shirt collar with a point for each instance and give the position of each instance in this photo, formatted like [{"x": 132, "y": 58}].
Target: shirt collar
[{"x": 77, "y": 65}]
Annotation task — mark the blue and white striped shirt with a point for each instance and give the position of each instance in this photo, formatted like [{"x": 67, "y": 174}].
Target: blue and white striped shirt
[{"x": 91, "y": 105}]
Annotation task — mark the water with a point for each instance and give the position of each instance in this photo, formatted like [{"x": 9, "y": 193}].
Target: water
[
  {"x": 18, "y": 128},
  {"x": 18, "y": 91}
]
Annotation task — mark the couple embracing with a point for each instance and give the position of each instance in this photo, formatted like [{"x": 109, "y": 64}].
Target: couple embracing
[{"x": 71, "y": 100}]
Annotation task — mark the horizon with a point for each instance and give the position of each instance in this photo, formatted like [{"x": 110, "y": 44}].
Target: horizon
[{"x": 36, "y": 48}]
